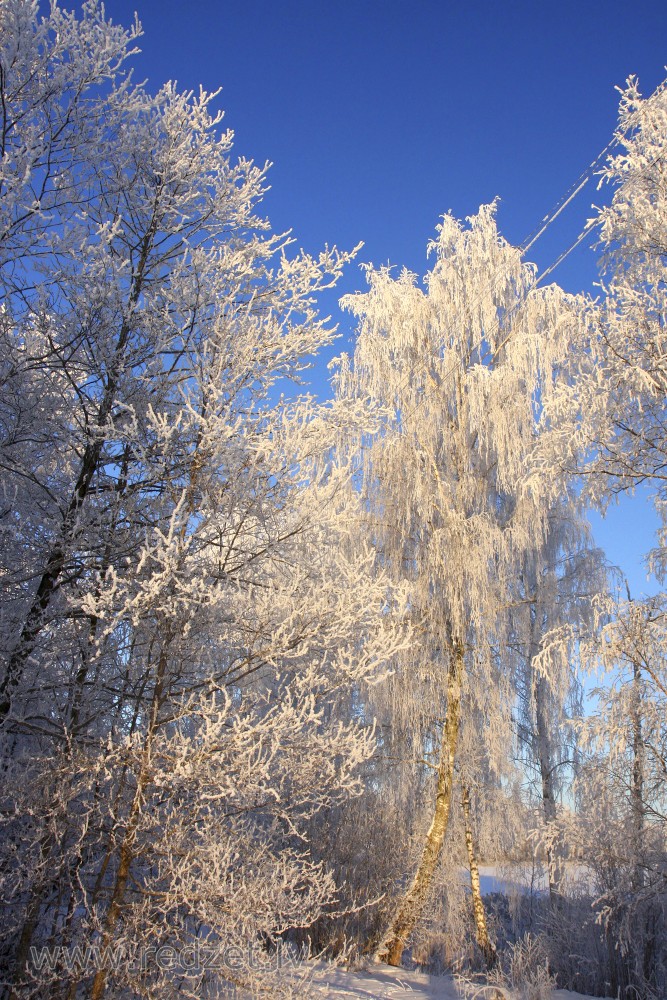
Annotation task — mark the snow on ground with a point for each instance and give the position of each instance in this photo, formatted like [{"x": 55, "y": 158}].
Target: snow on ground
[
  {"x": 524, "y": 878},
  {"x": 383, "y": 982}
]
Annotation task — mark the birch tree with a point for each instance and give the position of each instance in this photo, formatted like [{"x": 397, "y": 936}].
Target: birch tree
[{"x": 462, "y": 367}]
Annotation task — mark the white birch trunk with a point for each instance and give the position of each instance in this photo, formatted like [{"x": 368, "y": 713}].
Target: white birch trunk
[
  {"x": 412, "y": 905},
  {"x": 483, "y": 940}
]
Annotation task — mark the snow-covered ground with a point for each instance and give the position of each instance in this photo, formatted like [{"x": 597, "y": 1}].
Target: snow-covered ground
[
  {"x": 507, "y": 880},
  {"x": 382, "y": 982},
  {"x": 522, "y": 878}
]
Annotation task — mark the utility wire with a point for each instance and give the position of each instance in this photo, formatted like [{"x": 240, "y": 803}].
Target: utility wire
[
  {"x": 523, "y": 247},
  {"x": 548, "y": 220},
  {"x": 585, "y": 176}
]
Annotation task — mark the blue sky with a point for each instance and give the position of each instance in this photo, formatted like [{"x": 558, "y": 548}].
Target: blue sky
[{"x": 379, "y": 117}]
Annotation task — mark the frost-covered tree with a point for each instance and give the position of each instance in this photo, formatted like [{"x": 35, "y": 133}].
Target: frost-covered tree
[
  {"x": 622, "y": 831},
  {"x": 606, "y": 427},
  {"x": 629, "y": 725},
  {"x": 608, "y": 420},
  {"x": 127, "y": 232},
  {"x": 553, "y": 611},
  {"x": 181, "y": 607},
  {"x": 462, "y": 368}
]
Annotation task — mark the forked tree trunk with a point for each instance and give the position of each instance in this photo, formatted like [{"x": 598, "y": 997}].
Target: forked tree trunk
[
  {"x": 412, "y": 905},
  {"x": 483, "y": 940}
]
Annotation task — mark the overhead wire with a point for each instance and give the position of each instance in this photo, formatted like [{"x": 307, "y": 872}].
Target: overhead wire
[
  {"x": 566, "y": 199},
  {"x": 585, "y": 176},
  {"x": 531, "y": 239}
]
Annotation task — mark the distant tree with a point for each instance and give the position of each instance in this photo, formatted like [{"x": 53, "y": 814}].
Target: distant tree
[
  {"x": 623, "y": 792},
  {"x": 606, "y": 428},
  {"x": 553, "y": 612}
]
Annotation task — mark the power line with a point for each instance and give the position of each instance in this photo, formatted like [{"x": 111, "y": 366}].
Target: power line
[
  {"x": 586, "y": 174},
  {"x": 562, "y": 203},
  {"x": 548, "y": 220}
]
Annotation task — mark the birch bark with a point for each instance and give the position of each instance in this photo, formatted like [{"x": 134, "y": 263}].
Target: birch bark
[
  {"x": 412, "y": 905},
  {"x": 479, "y": 913}
]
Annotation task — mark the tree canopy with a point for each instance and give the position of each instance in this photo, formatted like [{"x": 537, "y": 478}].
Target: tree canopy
[{"x": 275, "y": 669}]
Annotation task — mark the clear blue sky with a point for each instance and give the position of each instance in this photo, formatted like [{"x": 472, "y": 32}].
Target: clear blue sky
[{"x": 381, "y": 115}]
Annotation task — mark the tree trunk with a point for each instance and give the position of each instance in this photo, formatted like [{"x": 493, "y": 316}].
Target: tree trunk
[
  {"x": 48, "y": 870},
  {"x": 412, "y": 905},
  {"x": 49, "y": 581},
  {"x": 483, "y": 940},
  {"x": 637, "y": 790},
  {"x": 126, "y": 853},
  {"x": 554, "y": 858},
  {"x": 126, "y": 857},
  {"x": 545, "y": 759},
  {"x": 29, "y": 925}
]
